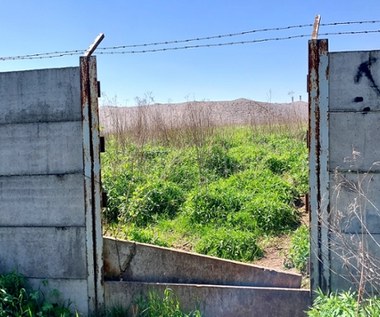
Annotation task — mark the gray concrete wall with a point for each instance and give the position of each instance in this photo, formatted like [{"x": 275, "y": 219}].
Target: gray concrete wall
[
  {"x": 132, "y": 261},
  {"x": 354, "y": 156},
  {"x": 217, "y": 301},
  {"x": 347, "y": 218},
  {"x": 43, "y": 233}
]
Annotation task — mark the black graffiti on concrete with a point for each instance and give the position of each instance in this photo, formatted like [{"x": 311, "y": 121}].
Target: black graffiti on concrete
[{"x": 365, "y": 69}]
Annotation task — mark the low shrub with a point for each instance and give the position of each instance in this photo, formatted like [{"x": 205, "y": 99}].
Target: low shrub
[
  {"x": 229, "y": 244},
  {"x": 16, "y": 300},
  {"x": 144, "y": 235},
  {"x": 299, "y": 250},
  {"x": 344, "y": 304},
  {"x": 167, "y": 306},
  {"x": 271, "y": 214},
  {"x": 153, "y": 200}
]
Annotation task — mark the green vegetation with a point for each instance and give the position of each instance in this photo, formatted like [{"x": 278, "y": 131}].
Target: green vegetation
[
  {"x": 15, "y": 300},
  {"x": 300, "y": 249},
  {"x": 216, "y": 191},
  {"x": 344, "y": 304},
  {"x": 155, "y": 306}
]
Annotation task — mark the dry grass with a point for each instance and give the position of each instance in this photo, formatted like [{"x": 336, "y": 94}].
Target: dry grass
[{"x": 194, "y": 121}]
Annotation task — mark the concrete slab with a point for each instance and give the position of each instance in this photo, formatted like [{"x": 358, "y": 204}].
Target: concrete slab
[
  {"x": 346, "y": 265},
  {"x": 41, "y": 148},
  {"x": 352, "y": 90},
  {"x": 43, "y": 252},
  {"x": 51, "y": 200},
  {"x": 73, "y": 291},
  {"x": 43, "y": 95},
  {"x": 217, "y": 301},
  {"x": 354, "y": 138},
  {"x": 355, "y": 200},
  {"x": 131, "y": 261}
]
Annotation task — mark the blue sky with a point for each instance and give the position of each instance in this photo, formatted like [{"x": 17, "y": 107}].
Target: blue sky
[{"x": 263, "y": 71}]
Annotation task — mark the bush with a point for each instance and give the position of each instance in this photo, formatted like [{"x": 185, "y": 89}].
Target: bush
[
  {"x": 272, "y": 215},
  {"x": 229, "y": 244},
  {"x": 344, "y": 304},
  {"x": 219, "y": 162},
  {"x": 153, "y": 200},
  {"x": 299, "y": 250},
  {"x": 212, "y": 204},
  {"x": 144, "y": 235}
]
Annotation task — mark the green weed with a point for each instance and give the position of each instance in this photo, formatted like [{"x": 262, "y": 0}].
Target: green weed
[
  {"x": 220, "y": 178},
  {"x": 229, "y": 244},
  {"x": 18, "y": 300},
  {"x": 300, "y": 250},
  {"x": 156, "y": 306},
  {"x": 344, "y": 304}
]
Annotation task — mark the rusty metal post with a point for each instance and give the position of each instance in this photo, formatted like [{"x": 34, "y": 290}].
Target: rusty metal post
[
  {"x": 91, "y": 160},
  {"x": 318, "y": 164}
]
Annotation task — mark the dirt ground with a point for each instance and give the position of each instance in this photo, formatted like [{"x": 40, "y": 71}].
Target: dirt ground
[{"x": 276, "y": 251}]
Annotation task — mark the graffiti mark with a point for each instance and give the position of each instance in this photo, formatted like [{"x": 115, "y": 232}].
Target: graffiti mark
[
  {"x": 358, "y": 99},
  {"x": 365, "y": 69}
]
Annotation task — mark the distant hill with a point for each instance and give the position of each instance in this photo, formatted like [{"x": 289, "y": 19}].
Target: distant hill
[{"x": 216, "y": 113}]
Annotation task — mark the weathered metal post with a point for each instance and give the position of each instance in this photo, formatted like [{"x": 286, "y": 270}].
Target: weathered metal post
[
  {"x": 318, "y": 163},
  {"x": 91, "y": 162}
]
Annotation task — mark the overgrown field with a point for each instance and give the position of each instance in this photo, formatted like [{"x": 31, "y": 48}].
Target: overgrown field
[{"x": 214, "y": 190}]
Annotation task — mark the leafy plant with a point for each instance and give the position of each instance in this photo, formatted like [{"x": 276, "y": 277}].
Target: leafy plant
[
  {"x": 300, "y": 250},
  {"x": 343, "y": 304},
  {"x": 153, "y": 200},
  {"x": 16, "y": 300},
  {"x": 156, "y": 306},
  {"x": 229, "y": 244}
]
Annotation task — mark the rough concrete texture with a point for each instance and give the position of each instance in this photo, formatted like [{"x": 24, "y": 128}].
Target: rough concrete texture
[
  {"x": 42, "y": 203},
  {"x": 217, "y": 301},
  {"x": 353, "y": 189},
  {"x": 25, "y": 200},
  {"x": 41, "y": 148},
  {"x": 44, "y": 95},
  {"x": 73, "y": 291},
  {"x": 354, "y": 140},
  {"x": 351, "y": 89},
  {"x": 44, "y": 252},
  {"x": 131, "y": 261},
  {"x": 345, "y": 271}
]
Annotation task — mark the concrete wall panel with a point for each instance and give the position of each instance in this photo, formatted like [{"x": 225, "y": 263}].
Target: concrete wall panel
[
  {"x": 41, "y": 148},
  {"x": 40, "y": 96},
  {"x": 347, "y": 260},
  {"x": 353, "y": 141},
  {"x": 132, "y": 261},
  {"x": 356, "y": 81},
  {"x": 355, "y": 202},
  {"x": 44, "y": 252},
  {"x": 52, "y": 200},
  {"x": 75, "y": 290},
  {"x": 213, "y": 300}
]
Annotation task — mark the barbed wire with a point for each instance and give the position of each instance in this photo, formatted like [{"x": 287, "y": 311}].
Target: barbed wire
[
  {"x": 118, "y": 49},
  {"x": 235, "y": 43},
  {"x": 300, "y": 26}
]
